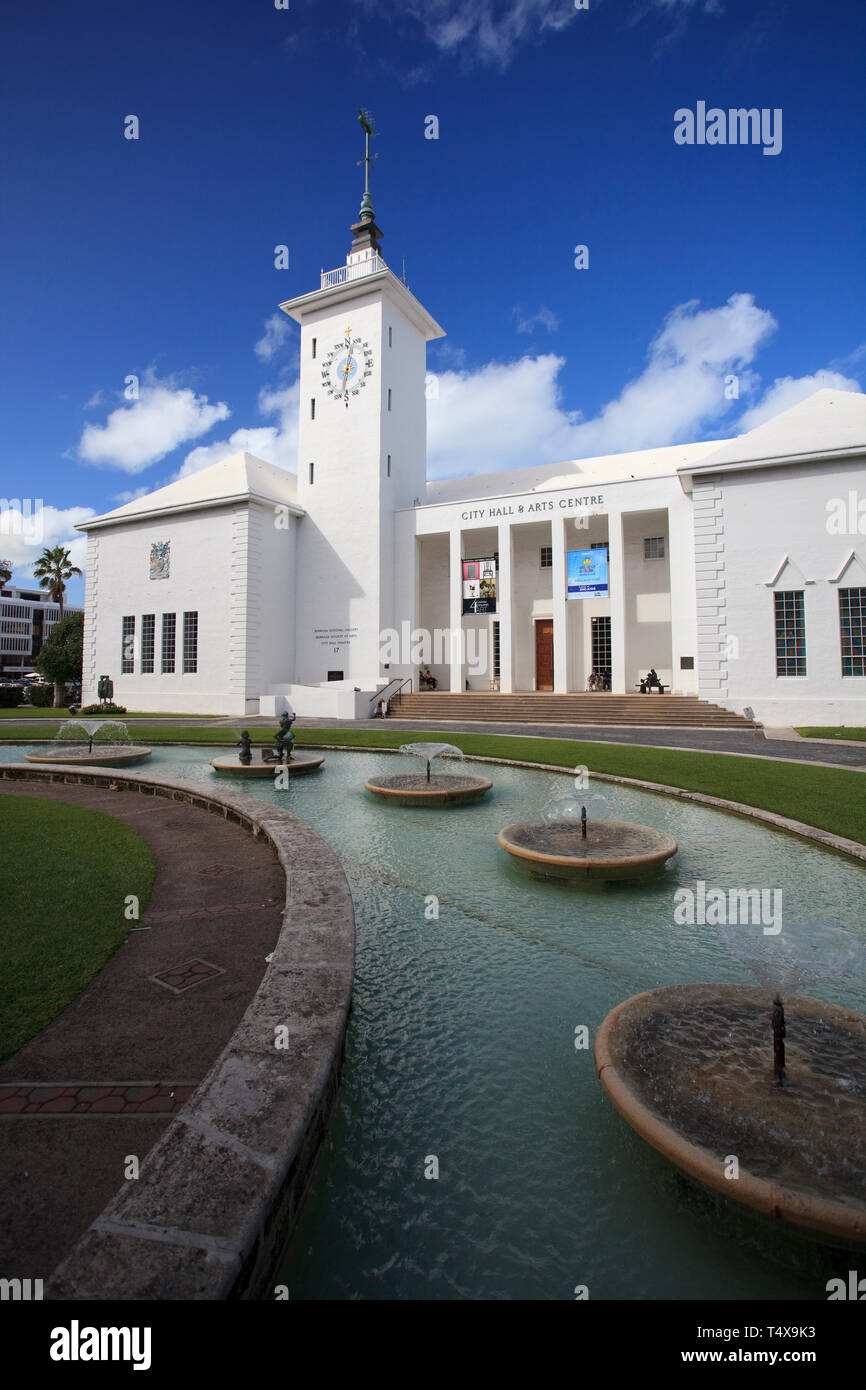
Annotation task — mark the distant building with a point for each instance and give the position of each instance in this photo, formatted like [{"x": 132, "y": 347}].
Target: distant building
[{"x": 26, "y": 618}]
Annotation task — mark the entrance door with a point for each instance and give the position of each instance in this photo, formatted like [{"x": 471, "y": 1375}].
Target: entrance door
[{"x": 544, "y": 654}]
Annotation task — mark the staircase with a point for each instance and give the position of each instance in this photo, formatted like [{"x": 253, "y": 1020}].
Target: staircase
[{"x": 661, "y": 711}]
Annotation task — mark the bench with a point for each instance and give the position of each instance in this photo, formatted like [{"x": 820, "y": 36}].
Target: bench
[{"x": 660, "y": 688}]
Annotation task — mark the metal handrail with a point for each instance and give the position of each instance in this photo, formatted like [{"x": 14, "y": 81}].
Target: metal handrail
[{"x": 380, "y": 694}]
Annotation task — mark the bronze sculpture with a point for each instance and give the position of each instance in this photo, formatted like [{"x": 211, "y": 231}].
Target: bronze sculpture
[
  {"x": 246, "y": 753},
  {"x": 284, "y": 742}
]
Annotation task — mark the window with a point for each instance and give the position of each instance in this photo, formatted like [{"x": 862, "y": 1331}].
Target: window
[
  {"x": 314, "y": 347},
  {"x": 169, "y": 626},
  {"x": 390, "y": 337},
  {"x": 790, "y": 633},
  {"x": 654, "y": 548},
  {"x": 389, "y": 398},
  {"x": 601, "y": 645},
  {"x": 313, "y": 408},
  {"x": 148, "y": 634},
  {"x": 127, "y": 650},
  {"x": 852, "y": 627},
  {"x": 190, "y": 643},
  {"x": 687, "y": 663},
  {"x": 335, "y": 675},
  {"x": 496, "y": 670},
  {"x": 311, "y": 475},
  {"x": 600, "y": 545},
  {"x": 547, "y": 557},
  {"x": 389, "y": 465}
]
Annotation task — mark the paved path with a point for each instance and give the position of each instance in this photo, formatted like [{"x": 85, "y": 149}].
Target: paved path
[
  {"x": 101, "y": 1082},
  {"x": 745, "y": 742},
  {"x": 782, "y": 743}
]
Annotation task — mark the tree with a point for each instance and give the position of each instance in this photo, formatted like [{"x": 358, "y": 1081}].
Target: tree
[
  {"x": 5, "y": 571},
  {"x": 52, "y": 569},
  {"x": 61, "y": 657}
]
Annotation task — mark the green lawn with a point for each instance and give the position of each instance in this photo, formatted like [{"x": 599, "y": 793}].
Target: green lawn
[
  {"x": 832, "y": 798},
  {"x": 859, "y": 735},
  {"x": 65, "y": 877}
]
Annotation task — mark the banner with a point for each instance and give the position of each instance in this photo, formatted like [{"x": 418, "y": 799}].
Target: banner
[
  {"x": 479, "y": 586},
  {"x": 587, "y": 573}
]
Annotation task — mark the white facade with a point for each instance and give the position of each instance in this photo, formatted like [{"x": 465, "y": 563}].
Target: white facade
[{"x": 316, "y": 592}]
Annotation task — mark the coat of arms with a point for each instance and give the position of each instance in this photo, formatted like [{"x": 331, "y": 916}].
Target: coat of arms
[{"x": 160, "y": 557}]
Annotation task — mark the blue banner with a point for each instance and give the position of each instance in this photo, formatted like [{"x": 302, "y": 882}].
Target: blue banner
[{"x": 587, "y": 573}]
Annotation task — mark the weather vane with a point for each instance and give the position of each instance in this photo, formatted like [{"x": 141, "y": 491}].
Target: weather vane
[{"x": 365, "y": 121}]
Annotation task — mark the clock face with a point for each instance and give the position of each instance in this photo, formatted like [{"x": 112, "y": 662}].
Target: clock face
[{"x": 346, "y": 368}]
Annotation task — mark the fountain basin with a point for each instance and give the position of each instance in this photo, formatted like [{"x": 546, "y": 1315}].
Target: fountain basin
[
  {"x": 102, "y": 755},
  {"x": 443, "y": 788},
  {"x": 689, "y": 1067},
  {"x": 613, "y": 849},
  {"x": 301, "y": 762}
]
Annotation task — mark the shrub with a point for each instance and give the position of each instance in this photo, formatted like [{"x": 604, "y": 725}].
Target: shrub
[
  {"x": 10, "y": 696},
  {"x": 103, "y": 709},
  {"x": 41, "y": 695}
]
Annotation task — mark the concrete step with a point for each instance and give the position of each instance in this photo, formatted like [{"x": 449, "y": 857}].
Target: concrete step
[{"x": 537, "y": 707}]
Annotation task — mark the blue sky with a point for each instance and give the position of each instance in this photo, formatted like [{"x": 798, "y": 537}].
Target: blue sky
[{"x": 155, "y": 257}]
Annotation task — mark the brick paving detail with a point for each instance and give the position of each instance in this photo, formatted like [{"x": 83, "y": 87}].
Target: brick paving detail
[
  {"x": 92, "y": 1098},
  {"x": 186, "y": 976}
]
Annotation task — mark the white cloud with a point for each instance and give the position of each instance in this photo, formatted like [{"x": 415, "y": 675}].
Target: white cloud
[
  {"x": 278, "y": 331},
  {"x": 488, "y": 31},
  {"x": 543, "y": 318},
  {"x": 277, "y": 444},
  {"x": 139, "y": 434},
  {"x": 510, "y": 415},
  {"x": 95, "y": 400},
  {"x": 787, "y": 391},
  {"x": 27, "y": 528}
]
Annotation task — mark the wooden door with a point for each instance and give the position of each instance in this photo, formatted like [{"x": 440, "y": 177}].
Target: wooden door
[{"x": 544, "y": 654}]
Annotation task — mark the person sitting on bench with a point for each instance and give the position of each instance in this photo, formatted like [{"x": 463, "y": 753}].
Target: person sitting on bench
[{"x": 653, "y": 682}]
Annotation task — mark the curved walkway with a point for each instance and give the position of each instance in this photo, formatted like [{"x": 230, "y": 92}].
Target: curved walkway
[
  {"x": 169, "y": 1056},
  {"x": 103, "y": 1079}
]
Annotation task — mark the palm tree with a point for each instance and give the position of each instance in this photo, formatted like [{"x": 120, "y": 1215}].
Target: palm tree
[
  {"x": 52, "y": 569},
  {"x": 5, "y": 571}
]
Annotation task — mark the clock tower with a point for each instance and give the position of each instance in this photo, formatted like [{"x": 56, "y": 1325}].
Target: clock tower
[{"x": 362, "y": 452}]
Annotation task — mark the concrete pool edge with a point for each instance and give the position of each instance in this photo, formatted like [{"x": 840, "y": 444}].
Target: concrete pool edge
[
  {"x": 739, "y": 808},
  {"x": 244, "y": 1147},
  {"x": 831, "y": 1220}
]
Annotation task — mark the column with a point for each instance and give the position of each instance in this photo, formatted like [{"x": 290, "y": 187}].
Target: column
[
  {"x": 455, "y": 618},
  {"x": 504, "y": 610},
  {"x": 681, "y": 566},
  {"x": 617, "y": 585},
  {"x": 559, "y": 544}
]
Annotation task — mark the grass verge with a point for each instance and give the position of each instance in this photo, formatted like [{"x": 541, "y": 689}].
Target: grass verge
[
  {"x": 66, "y": 873},
  {"x": 858, "y": 735}
]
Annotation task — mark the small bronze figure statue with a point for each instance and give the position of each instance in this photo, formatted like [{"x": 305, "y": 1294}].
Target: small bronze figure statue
[
  {"x": 284, "y": 739},
  {"x": 246, "y": 753},
  {"x": 778, "y": 1041}
]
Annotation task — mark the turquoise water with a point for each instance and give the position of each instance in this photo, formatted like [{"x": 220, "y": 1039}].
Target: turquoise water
[{"x": 461, "y": 1046}]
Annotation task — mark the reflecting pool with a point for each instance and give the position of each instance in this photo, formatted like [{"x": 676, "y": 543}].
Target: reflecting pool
[{"x": 472, "y": 977}]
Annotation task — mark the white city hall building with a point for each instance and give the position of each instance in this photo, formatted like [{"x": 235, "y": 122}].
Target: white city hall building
[{"x": 735, "y": 568}]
